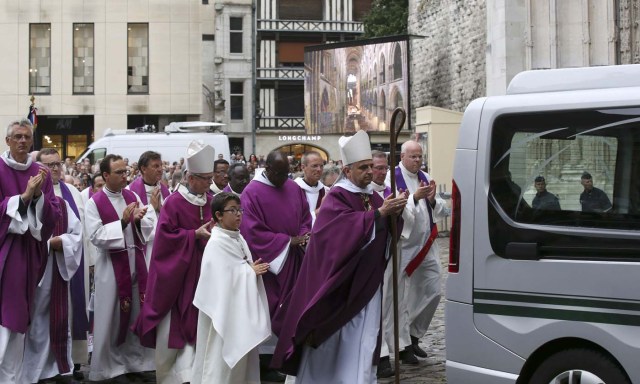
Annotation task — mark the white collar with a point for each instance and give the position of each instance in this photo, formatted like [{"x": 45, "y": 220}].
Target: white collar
[
  {"x": 407, "y": 172},
  {"x": 377, "y": 187},
  {"x": 303, "y": 184},
  {"x": 232, "y": 234},
  {"x": 111, "y": 193},
  {"x": 6, "y": 156},
  {"x": 346, "y": 184},
  {"x": 199, "y": 200},
  {"x": 262, "y": 178}
]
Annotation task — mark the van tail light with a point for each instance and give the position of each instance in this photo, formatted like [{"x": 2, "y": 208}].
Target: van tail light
[{"x": 454, "y": 233}]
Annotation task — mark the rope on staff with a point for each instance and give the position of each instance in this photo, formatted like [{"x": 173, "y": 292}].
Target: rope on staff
[{"x": 398, "y": 118}]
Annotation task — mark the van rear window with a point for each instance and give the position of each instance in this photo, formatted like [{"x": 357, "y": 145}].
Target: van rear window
[{"x": 578, "y": 168}]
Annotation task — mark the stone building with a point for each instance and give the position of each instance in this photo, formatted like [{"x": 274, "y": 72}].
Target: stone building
[
  {"x": 473, "y": 48},
  {"x": 93, "y": 65}
]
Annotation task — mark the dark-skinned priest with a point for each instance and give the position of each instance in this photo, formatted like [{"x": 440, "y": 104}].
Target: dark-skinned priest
[
  {"x": 276, "y": 225},
  {"x": 330, "y": 331}
]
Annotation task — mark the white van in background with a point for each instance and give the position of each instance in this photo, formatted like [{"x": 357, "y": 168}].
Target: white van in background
[
  {"x": 171, "y": 144},
  {"x": 547, "y": 295}
]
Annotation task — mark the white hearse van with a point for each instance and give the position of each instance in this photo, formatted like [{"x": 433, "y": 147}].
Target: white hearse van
[
  {"x": 171, "y": 144},
  {"x": 547, "y": 293}
]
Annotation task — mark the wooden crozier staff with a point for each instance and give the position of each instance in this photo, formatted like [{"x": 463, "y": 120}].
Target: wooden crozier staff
[{"x": 397, "y": 121}]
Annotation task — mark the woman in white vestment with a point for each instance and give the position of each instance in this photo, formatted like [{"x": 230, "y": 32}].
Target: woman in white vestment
[{"x": 234, "y": 314}]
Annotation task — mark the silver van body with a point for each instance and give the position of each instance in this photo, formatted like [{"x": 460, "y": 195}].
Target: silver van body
[{"x": 529, "y": 291}]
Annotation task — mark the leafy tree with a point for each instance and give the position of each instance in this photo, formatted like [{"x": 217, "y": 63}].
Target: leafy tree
[{"x": 386, "y": 18}]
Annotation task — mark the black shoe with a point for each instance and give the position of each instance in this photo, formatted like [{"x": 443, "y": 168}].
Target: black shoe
[
  {"x": 384, "y": 368},
  {"x": 271, "y": 375},
  {"x": 141, "y": 377},
  {"x": 408, "y": 357},
  {"x": 416, "y": 348},
  {"x": 122, "y": 379},
  {"x": 77, "y": 374}
]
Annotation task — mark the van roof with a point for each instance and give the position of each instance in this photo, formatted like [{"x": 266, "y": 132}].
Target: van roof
[{"x": 573, "y": 79}]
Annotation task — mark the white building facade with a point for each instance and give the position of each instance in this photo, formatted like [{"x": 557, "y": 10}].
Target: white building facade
[{"x": 94, "y": 65}]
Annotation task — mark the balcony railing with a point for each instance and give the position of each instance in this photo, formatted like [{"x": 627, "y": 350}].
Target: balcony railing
[
  {"x": 274, "y": 122},
  {"x": 310, "y": 26},
  {"x": 290, "y": 73}
]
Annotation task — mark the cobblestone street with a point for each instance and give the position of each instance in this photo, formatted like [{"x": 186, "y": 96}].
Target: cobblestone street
[{"x": 432, "y": 369}]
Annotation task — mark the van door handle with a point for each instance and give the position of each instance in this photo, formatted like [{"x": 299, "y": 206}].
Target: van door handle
[{"x": 522, "y": 251}]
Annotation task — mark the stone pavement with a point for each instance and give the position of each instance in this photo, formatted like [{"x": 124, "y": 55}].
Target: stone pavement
[{"x": 432, "y": 369}]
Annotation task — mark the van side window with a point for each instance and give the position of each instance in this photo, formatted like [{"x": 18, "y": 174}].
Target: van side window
[
  {"x": 569, "y": 169},
  {"x": 97, "y": 154}
]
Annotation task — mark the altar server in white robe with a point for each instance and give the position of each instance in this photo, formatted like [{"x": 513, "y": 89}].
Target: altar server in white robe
[
  {"x": 118, "y": 225},
  {"x": 234, "y": 321}
]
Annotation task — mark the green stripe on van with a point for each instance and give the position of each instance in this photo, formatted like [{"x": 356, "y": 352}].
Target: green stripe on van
[
  {"x": 557, "y": 314},
  {"x": 557, "y": 300}
]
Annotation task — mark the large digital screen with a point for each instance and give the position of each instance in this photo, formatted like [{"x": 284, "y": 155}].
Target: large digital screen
[{"x": 355, "y": 86}]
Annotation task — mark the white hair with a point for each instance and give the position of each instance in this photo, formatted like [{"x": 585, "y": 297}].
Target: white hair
[{"x": 21, "y": 123}]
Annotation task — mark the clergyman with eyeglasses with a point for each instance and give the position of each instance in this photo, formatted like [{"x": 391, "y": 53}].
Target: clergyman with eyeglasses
[
  {"x": 119, "y": 225},
  {"x": 30, "y": 212},
  {"x": 168, "y": 321}
]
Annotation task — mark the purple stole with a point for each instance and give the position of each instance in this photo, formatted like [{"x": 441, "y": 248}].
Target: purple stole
[
  {"x": 415, "y": 262},
  {"x": 59, "y": 304},
  {"x": 137, "y": 186},
  {"x": 321, "y": 194},
  {"x": 120, "y": 261},
  {"x": 80, "y": 324},
  {"x": 227, "y": 188}
]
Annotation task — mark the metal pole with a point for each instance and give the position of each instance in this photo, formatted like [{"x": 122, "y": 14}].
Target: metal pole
[{"x": 397, "y": 121}]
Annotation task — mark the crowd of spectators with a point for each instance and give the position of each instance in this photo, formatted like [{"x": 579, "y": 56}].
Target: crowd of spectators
[{"x": 81, "y": 174}]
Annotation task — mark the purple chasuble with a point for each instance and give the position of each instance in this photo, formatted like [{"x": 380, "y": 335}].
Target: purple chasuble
[
  {"x": 80, "y": 323},
  {"x": 271, "y": 217},
  {"x": 339, "y": 276},
  {"x": 120, "y": 261},
  {"x": 22, "y": 257},
  {"x": 174, "y": 271},
  {"x": 137, "y": 186}
]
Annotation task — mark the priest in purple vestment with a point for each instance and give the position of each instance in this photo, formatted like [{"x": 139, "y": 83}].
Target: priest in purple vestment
[
  {"x": 331, "y": 321},
  {"x": 239, "y": 178},
  {"x": 150, "y": 190},
  {"x": 168, "y": 320},
  {"x": 30, "y": 211},
  {"x": 276, "y": 225}
]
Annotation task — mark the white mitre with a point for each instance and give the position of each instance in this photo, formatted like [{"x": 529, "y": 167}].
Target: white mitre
[
  {"x": 200, "y": 157},
  {"x": 355, "y": 148}
]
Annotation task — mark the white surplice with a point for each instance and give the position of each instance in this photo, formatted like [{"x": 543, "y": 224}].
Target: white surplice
[
  {"x": 108, "y": 359},
  {"x": 234, "y": 321},
  {"x": 154, "y": 215},
  {"x": 312, "y": 193},
  {"x": 423, "y": 295},
  {"x": 39, "y": 361}
]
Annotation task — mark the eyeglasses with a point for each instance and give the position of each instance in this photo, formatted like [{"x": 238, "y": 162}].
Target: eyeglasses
[
  {"x": 53, "y": 164},
  {"x": 207, "y": 178},
  {"x": 381, "y": 168},
  {"x": 234, "y": 211},
  {"x": 18, "y": 137},
  {"x": 120, "y": 172}
]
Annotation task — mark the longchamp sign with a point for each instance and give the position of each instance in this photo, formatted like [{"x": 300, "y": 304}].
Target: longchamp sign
[{"x": 299, "y": 138}]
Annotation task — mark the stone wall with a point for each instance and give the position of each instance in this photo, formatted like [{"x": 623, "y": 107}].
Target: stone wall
[
  {"x": 448, "y": 64},
  {"x": 629, "y": 31}
]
